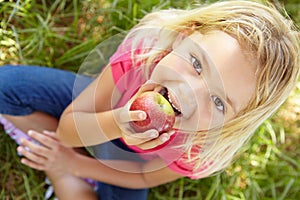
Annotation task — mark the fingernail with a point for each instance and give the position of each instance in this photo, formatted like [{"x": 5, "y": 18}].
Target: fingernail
[
  {"x": 164, "y": 139},
  {"x": 141, "y": 115},
  {"x": 30, "y": 132},
  {"x": 154, "y": 134},
  {"x": 19, "y": 149}
]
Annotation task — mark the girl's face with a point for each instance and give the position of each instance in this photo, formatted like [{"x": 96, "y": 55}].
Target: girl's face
[{"x": 208, "y": 80}]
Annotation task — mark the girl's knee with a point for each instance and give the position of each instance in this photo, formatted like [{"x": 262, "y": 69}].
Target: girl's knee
[
  {"x": 10, "y": 77},
  {"x": 9, "y": 80},
  {"x": 11, "y": 90}
]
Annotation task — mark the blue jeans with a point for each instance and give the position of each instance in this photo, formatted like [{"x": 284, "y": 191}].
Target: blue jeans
[{"x": 25, "y": 89}]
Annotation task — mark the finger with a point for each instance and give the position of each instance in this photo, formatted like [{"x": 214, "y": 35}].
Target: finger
[
  {"x": 155, "y": 142},
  {"x": 164, "y": 137},
  {"x": 35, "y": 148},
  {"x": 139, "y": 138},
  {"x": 171, "y": 132},
  {"x": 136, "y": 115},
  {"x": 147, "y": 135},
  {"x": 43, "y": 139},
  {"x": 50, "y": 134},
  {"x": 32, "y": 164},
  {"x": 31, "y": 155}
]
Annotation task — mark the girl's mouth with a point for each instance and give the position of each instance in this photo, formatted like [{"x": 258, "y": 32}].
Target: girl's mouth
[{"x": 171, "y": 99}]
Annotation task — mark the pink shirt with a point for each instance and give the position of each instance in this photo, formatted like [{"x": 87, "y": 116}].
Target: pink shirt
[{"x": 128, "y": 77}]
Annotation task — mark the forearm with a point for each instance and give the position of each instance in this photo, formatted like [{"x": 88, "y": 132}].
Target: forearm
[
  {"x": 123, "y": 173},
  {"x": 88, "y": 119},
  {"x": 130, "y": 176},
  {"x": 84, "y": 129}
]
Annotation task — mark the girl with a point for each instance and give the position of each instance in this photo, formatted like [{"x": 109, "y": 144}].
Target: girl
[{"x": 225, "y": 68}]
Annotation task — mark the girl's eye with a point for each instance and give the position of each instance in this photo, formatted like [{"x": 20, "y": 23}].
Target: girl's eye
[
  {"x": 196, "y": 64},
  {"x": 219, "y": 103}
]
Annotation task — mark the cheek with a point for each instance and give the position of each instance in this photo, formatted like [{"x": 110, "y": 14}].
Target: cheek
[
  {"x": 199, "y": 112},
  {"x": 171, "y": 65},
  {"x": 205, "y": 115},
  {"x": 201, "y": 119}
]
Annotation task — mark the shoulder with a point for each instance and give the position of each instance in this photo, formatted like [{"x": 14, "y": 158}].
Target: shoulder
[{"x": 131, "y": 53}]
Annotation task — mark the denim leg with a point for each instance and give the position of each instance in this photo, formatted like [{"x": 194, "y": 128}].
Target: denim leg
[
  {"x": 25, "y": 89},
  {"x": 117, "y": 150},
  {"x": 110, "y": 192}
]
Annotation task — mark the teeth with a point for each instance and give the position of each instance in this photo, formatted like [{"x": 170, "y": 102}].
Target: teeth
[{"x": 170, "y": 100}]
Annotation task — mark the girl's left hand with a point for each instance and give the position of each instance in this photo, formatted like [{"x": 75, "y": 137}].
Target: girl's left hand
[
  {"x": 144, "y": 140},
  {"x": 49, "y": 155}
]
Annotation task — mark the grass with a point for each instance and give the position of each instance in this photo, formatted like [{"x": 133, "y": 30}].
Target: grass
[{"x": 60, "y": 34}]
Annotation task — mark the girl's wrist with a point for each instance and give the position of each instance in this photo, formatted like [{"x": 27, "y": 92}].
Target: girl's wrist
[{"x": 75, "y": 165}]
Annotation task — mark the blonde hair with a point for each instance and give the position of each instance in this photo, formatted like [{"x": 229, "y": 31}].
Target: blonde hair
[{"x": 262, "y": 32}]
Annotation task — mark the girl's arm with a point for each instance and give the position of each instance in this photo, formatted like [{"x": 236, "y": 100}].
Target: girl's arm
[
  {"x": 53, "y": 156},
  {"x": 80, "y": 123},
  {"x": 124, "y": 173},
  {"x": 90, "y": 119}
]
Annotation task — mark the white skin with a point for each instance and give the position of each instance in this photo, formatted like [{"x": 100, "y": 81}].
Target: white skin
[
  {"x": 200, "y": 78},
  {"x": 231, "y": 75}
]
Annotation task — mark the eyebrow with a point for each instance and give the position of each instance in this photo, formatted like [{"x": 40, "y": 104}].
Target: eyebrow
[{"x": 208, "y": 62}]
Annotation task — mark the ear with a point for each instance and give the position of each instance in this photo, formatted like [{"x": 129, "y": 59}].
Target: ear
[{"x": 178, "y": 39}]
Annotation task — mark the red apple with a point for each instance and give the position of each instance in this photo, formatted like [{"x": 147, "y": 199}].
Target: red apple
[{"x": 160, "y": 114}]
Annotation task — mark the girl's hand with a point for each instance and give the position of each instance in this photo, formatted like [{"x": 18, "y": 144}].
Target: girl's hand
[
  {"x": 49, "y": 155},
  {"x": 144, "y": 140}
]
